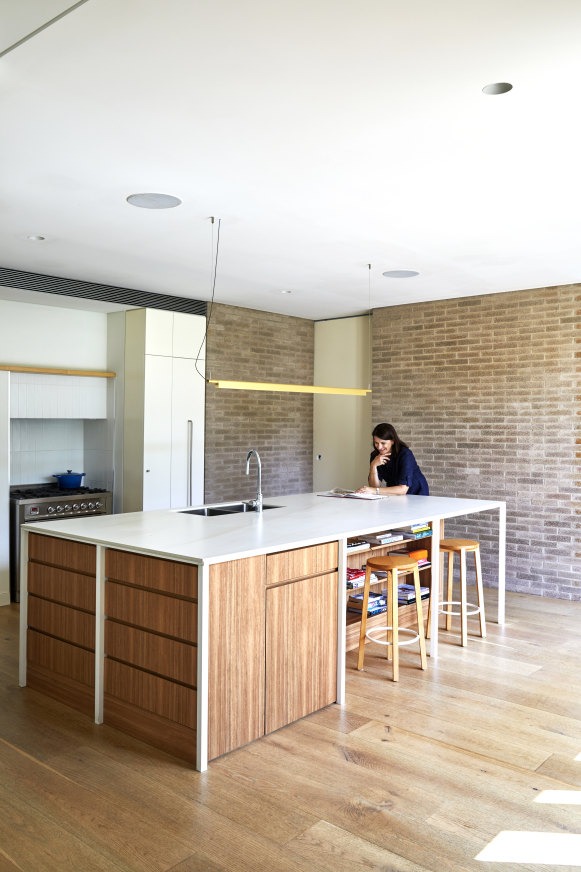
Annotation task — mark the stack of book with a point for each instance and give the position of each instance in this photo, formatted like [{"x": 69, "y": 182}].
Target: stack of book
[
  {"x": 357, "y": 545},
  {"x": 376, "y": 604},
  {"x": 355, "y": 578},
  {"x": 416, "y": 531},
  {"x": 406, "y": 593},
  {"x": 385, "y": 538}
]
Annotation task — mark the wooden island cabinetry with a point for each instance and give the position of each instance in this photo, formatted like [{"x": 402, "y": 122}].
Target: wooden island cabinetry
[
  {"x": 199, "y": 632},
  {"x": 272, "y": 643},
  {"x": 272, "y": 640},
  {"x": 61, "y": 620},
  {"x": 151, "y": 639}
]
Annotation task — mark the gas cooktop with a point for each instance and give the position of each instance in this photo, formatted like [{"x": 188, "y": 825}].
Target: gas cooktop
[{"x": 50, "y": 491}]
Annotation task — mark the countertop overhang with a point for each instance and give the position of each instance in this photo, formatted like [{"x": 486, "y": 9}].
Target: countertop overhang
[{"x": 302, "y": 520}]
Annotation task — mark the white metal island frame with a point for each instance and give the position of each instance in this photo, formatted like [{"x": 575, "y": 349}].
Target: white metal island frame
[{"x": 267, "y": 565}]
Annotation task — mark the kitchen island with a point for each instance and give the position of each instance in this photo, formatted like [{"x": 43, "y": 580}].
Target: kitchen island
[{"x": 200, "y": 634}]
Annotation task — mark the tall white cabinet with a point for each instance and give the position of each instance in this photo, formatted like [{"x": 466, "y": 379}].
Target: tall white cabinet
[{"x": 164, "y": 388}]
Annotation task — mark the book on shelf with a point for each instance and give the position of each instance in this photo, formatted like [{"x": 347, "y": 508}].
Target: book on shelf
[
  {"x": 414, "y": 528},
  {"x": 350, "y": 494},
  {"x": 419, "y": 534},
  {"x": 376, "y": 603},
  {"x": 406, "y": 593},
  {"x": 384, "y": 538},
  {"x": 357, "y": 545},
  {"x": 355, "y": 578},
  {"x": 373, "y": 610}
]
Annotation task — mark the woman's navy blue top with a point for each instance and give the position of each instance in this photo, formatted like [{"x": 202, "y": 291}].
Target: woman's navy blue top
[{"x": 402, "y": 468}]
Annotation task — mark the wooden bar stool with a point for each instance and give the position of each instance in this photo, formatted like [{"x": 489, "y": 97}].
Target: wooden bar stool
[
  {"x": 392, "y": 565},
  {"x": 462, "y": 547}
]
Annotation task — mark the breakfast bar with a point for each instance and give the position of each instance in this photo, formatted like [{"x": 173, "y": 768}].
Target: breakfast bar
[{"x": 199, "y": 633}]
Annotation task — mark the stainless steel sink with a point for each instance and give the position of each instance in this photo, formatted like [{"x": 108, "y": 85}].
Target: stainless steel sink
[{"x": 227, "y": 509}]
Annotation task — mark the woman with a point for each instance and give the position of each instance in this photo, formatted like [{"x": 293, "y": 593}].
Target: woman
[{"x": 393, "y": 468}]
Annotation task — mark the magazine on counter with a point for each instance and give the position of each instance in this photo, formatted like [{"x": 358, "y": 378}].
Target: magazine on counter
[{"x": 350, "y": 494}]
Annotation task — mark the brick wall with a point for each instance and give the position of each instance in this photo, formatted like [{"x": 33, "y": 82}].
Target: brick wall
[
  {"x": 486, "y": 391},
  {"x": 248, "y": 345}
]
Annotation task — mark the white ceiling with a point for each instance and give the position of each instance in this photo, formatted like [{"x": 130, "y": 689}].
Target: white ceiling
[{"x": 325, "y": 134}]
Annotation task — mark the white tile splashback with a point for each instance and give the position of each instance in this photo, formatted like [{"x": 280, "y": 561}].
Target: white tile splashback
[{"x": 40, "y": 448}]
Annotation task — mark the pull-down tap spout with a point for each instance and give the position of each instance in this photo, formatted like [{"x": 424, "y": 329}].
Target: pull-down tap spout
[{"x": 258, "y": 500}]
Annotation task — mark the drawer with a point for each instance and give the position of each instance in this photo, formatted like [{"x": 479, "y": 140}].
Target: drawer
[
  {"x": 62, "y": 585},
  {"x": 165, "y": 698},
  {"x": 169, "y": 576},
  {"x": 152, "y": 611},
  {"x": 61, "y": 657},
  {"x": 63, "y": 622},
  {"x": 166, "y": 657},
  {"x": 61, "y": 552},
  {"x": 301, "y": 562}
]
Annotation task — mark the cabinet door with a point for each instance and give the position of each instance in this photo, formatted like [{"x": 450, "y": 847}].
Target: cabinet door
[
  {"x": 301, "y": 649},
  {"x": 188, "y": 396},
  {"x": 157, "y": 428},
  {"x": 188, "y": 333}
]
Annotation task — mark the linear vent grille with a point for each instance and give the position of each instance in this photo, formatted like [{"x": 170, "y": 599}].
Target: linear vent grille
[{"x": 27, "y": 281}]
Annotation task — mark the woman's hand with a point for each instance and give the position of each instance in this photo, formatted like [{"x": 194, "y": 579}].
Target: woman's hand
[
  {"x": 380, "y": 460},
  {"x": 366, "y": 490}
]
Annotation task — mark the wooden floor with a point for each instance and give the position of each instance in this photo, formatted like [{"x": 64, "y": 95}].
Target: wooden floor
[{"x": 423, "y": 775}]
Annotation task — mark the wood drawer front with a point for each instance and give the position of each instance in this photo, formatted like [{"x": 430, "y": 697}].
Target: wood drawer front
[
  {"x": 61, "y": 657},
  {"x": 166, "y": 657},
  {"x": 63, "y": 622},
  {"x": 62, "y": 552},
  {"x": 172, "y": 701},
  {"x": 302, "y": 562},
  {"x": 62, "y": 585},
  {"x": 152, "y": 611},
  {"x": 169, "y": 576}
]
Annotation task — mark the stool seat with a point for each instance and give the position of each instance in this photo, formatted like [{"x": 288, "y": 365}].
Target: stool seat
[
  {"x": 392, "y": 565},
  {"x": 463, "y": 547},
  {"x": 456, "y": 545}
]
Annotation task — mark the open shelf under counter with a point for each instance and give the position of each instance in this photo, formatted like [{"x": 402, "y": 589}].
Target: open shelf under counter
[{"x": 407, "y": 612}]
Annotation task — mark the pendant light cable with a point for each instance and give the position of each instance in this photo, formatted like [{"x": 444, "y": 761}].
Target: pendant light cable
[{"x": 213, "y": 275}]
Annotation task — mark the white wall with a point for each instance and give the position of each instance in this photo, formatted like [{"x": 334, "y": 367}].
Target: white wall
[
  {"x": 342, "y": 424},
  {"x": 33, "y": 335}
]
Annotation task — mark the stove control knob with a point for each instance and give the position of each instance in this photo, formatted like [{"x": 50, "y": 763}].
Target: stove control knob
[
  {"x": 83, "y": 506},
  {"x": 91, "y": 506},
  {"x": 59, "y": 509},
  {"x": 50, "y": 510},
  {"x": 98, "y": 504},
  {"x": 67, "y": 508},
  {"x": 75, "y": 507}
]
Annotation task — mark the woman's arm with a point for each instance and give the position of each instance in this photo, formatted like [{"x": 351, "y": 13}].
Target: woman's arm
[{"x": 399, "y": 489}]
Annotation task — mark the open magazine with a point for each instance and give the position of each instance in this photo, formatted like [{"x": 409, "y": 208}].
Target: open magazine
[{"x": 350, "y": 494}]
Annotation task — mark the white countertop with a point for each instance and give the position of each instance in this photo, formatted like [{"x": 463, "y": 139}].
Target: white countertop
[{"x": 301, "y": 520}]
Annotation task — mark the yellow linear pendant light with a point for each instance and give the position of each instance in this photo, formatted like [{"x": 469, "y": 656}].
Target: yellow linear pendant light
[
  {"x": 293, "y": 389},
  {"x": 268, "y": 386}
]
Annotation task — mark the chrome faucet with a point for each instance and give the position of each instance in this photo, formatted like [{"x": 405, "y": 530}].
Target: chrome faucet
[{"x": 258, "y": 501}]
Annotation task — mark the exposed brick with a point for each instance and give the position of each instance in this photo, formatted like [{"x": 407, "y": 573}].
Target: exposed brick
[
  {"x": 484, "y": 391},
  {"x": 248, "y": 345}
]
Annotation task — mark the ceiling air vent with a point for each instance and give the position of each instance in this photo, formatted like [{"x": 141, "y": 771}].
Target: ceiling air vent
[{"x": 27, "y": 281}]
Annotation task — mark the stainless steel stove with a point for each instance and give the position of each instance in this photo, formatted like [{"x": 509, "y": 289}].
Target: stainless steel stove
[{"x": 48, "y": 502}]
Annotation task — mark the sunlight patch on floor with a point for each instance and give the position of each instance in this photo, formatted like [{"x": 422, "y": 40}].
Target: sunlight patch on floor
[
  {"x": 558, "y": 849},
  {"x": 562, "y": 797}
]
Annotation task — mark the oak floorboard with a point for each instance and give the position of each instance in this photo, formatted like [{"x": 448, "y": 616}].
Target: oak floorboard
[{"x": 417, "y": 776}]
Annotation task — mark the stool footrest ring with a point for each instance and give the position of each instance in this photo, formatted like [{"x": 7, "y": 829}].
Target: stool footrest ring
[
  {"x": 474, "y": 610},
  {"x": 415, "y": 636}
]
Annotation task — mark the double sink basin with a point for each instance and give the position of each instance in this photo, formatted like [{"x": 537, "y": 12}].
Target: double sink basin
[{"x": 226, "y": 509}]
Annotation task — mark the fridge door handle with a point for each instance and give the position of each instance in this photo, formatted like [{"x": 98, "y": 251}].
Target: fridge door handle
[{"x": 189, "y": 449}]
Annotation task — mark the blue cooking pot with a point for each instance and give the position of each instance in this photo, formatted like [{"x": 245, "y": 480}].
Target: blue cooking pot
[{"x": 68, "y": 479}]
